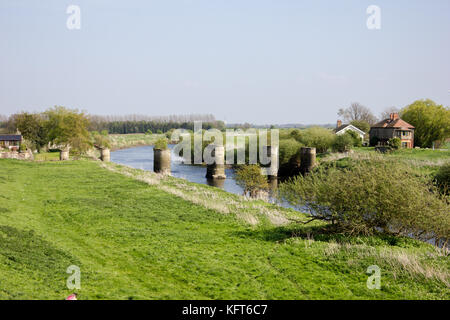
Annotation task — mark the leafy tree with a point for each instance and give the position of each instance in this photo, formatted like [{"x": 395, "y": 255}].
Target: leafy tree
[
  {"x": 250, "y": 178},
  {"x": 68, "y": 128},
  {"x": 100, "y": 140},
  {"x": 343, "y": 142},
  {"x": 364, "y": 198},
  {"x": 317, "y": 137},
  {"x": 32, "y": 127},
  {"x": 149, "y": 132},
  {"x": 161, "y": 144},
  {"x": 361, "y": 125},
  {"x": 358, "y": 112},
  {"x": 289, "y": 151},
  {"x": 356, "y": 139},
  {"x": 431, "y": 121}
]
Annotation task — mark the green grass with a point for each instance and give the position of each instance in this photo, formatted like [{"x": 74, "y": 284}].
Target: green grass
[
  {"x": 46, "y": 156},
  {"x": 119, "y": 141},
  {"x": 412, "y": 154},
  {"x": 133, "y": 238}
]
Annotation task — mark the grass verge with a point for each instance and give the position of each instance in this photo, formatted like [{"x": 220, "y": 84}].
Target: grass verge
[{"x": 140, "y": 236}]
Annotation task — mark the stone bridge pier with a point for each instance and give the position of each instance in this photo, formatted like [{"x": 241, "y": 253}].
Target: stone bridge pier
[
  {"x": 161, "y": 161},
  {"x": 307, "y": 160},
  {"x": 105, "y": 155},
  {"x": 216, "y": 170}
]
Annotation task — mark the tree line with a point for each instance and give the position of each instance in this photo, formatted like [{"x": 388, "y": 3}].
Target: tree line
[
  {"x": 69, "y": 128},
  {"x": 142, "y": 126}
]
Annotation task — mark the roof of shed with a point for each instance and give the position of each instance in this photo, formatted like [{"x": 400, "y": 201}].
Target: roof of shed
[{"x": 10, "y": 137}]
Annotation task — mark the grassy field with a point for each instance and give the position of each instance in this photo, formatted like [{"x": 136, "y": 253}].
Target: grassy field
[
  {"x": 119, "y": 141},
  {"x": 46, "y": 156},
  {"x": 137, "y": 235},
  {"x": 428, "y": 155}
]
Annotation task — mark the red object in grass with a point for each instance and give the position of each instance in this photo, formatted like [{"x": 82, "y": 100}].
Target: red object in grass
[{"x": 73, "y": 296}]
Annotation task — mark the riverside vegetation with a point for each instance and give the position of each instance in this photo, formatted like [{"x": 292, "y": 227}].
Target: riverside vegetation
[{"x": 138, "y": 235}]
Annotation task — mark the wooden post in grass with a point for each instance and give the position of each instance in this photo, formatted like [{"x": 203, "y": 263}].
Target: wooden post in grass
[
  {"x": 307, "y": 160},
  {"x": 216, "y": 170}
]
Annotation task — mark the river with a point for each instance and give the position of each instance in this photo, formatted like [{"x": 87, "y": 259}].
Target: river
[{"x": 142, "y": 158}]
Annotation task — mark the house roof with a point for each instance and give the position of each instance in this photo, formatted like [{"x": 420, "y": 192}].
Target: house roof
[
  {"x": 10, "y": 137},
  {"x": 352, "y": 127},
  {"x": 395, "y": 123}
]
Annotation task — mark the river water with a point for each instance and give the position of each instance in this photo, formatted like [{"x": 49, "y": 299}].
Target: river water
[{"x": 142, "y": 158}]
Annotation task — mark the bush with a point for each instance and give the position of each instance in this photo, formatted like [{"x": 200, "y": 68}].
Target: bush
[
  {"x": 161, "y": 144},
  {"x": 372, "y": 196},
  {"x": 100, "y": 140},
  {"x": 342, "y": 143},
  {"x": 320, "y": 138},
  {"x": 395, "y": 143},
  {"x": 22, "y": 147},
  {"x": 442, "y": 178},
  {"x": 357, "y": 142},
  {"x": 289, "y": 151},
  {"x": 250, "y": 178},
  {"x": 149, "y": 132}
]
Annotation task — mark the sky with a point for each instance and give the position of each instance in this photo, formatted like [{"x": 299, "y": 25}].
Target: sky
[{"x": 257, "y": 61}]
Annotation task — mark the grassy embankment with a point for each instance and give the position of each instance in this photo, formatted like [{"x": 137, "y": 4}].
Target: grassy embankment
[
  {"x": 118, "y": 141},
  {"x": 136, "y": 235}
]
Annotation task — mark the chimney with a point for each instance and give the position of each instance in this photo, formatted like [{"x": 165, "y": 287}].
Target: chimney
[
  {"x": 338, "y": 124},
  {"x": 394, "y": 116}
]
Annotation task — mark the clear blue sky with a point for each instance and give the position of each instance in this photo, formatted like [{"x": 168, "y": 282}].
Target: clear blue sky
[{"x": 259, "y": 61}]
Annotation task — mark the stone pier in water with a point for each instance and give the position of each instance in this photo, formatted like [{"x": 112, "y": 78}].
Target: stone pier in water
[
  {"x": 217, "y": 169},
  {"x": 161, "y": 161}
]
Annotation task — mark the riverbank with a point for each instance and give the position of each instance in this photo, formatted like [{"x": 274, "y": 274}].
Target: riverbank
[
  {"x": 124, "y": 141},
  {"x": 137, "y": 235}
]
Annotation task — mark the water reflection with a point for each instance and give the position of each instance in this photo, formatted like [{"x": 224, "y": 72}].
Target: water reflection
[{"x": 218, "y": 183}]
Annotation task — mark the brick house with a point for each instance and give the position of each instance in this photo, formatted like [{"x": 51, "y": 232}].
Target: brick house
[{"x": 394, "y": 127}]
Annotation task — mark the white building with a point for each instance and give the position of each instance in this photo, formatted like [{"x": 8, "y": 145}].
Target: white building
[{"x": 343, "y": 128}]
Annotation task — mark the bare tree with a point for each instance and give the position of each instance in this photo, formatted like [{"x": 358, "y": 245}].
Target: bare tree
[
  {"x": 357, "y": 112},
  {"x": 385, "y": 114}
]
